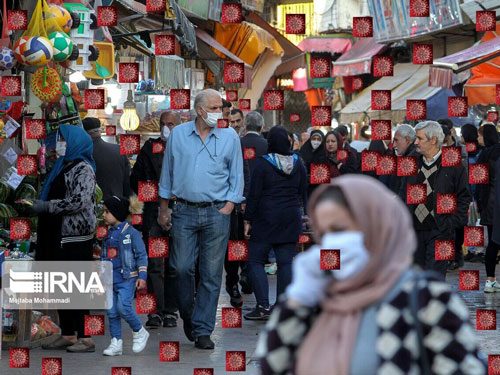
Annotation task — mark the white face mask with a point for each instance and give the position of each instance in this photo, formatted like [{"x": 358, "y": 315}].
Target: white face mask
[
  {"x": 353, "y": 254},
  {"x": 165, "y": 133},
  {"x": 212, "y": 118},
  {"x": 315, "y": 144},
  {"x": 60, "y": 148}
]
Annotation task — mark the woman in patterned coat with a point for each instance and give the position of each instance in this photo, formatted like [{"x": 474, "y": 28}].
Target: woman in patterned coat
[
  {"x": 364, "y": 310},
  {"x": 67, "y": 222}
]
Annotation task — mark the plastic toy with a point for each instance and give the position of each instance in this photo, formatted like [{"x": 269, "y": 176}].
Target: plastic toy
[
  {"x": 7, "y": 59},
  {"x": 83, "y": 37},
  {"x": 57, "y": 18},
  {"x": 20, "y": 47},
  {"x": 47, "y": 84},
  {"x": 62, "y": 44},
  {"x": 37, "y": 51}
]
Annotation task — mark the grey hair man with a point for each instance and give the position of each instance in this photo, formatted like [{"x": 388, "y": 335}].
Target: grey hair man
[
  {"x": 438, "y": 198},
  {"x": 201, "y": 182},
  {"x": 404, "y": 139}
]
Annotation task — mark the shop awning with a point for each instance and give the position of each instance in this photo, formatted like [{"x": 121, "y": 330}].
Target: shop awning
[
  {"x": 358, "y": 60},
  {"x": 361, "y": 105},
  {"x": 481, "y": 87},
  {"x": 134, "y": 18},
  {"x": 442, "y": 70},
  {"x": 210, "y": 41},
  {"x": 293, "y": 57},
  {"x": 326, "y": 44}
]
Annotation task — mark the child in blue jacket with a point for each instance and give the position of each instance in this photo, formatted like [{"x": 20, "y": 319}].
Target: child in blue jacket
[{"x": 125, "y": 249}]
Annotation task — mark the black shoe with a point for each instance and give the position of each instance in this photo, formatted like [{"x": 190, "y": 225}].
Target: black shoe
[
  {"x": 204, "y": 342},
  {"x": 453, "y": 266},
  {"x": 234, "y": 293},
  {"x": 469, "y": 256},
  {"x": 246, "y": 288},
  {"x": 259, "y": 313},
  {"x": 478, "y": 258},
  {"x": 154, "y": 321},
  {"x": 170, "y": 320},
  {"x": 188, "y": 329}
]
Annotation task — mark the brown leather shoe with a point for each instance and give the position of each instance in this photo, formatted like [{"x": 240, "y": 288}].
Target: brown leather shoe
[
  {"x": 60, "y": 344},
  {"x": 82, "y": 346}
]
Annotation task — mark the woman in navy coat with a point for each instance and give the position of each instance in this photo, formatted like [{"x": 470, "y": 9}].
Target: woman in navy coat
[{"x": 273, "y": 216}]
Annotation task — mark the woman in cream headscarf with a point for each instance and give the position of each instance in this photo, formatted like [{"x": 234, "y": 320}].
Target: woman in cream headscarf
[{"x": 365, "y": 324}]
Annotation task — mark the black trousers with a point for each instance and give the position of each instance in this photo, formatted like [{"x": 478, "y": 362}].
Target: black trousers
[
  {"x": 72, "y": 321},
  {"x": 236, "y": 233},
  {"x": 161, "y": 279},
  {"x": 425, "y": 254},
  {"x": 490, "y": 257},
  {"x": 459, "y": 241}
]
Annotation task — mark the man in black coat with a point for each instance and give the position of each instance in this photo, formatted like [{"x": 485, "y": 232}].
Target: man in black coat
[
  {"x": 148, "y": 168},
  {"x": 429, "y": 225},
  {"x": 253, "y": 145},
  {"x": 112, "y": 169}
]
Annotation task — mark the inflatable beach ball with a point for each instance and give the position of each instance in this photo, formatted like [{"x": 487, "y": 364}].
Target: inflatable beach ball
[
  {"x": 62, "y": 45},
  {"x": 57, "y": 18},
  {"x": 7, "y": 59},
  {"x": 20, "y": 47},
  {"x": 38, "y": 51}
]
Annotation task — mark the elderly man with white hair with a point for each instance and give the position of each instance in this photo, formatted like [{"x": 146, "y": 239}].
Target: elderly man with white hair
[
  {"x": 433, "y": 219},
  {"x": 201, "y": 182}
]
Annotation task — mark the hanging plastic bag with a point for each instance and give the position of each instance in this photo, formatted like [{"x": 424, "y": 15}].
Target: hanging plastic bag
[
  {"x": 5, "y": 40},
  {"x": 36, "y": 27}
]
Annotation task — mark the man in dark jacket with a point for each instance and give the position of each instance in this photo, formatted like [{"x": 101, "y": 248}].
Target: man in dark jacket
[
  {"x": 148, "y": 168},
  {"x": 112, "y": 169},
  {"x": 344, "y": 133},
  {"x": 253, "y": 145},
  {"x": 429, "y": 225}
]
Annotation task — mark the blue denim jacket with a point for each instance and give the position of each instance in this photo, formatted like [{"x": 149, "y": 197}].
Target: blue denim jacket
[{"x": 132, "y": 259}]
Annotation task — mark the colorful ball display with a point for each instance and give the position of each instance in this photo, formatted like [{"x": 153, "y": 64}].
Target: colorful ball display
[
  {"x": 7, "y": 59},
  {"x": 19, "y": 49},
  {"x": 38, "y": 51},
  {"x": 62, "y": 45},
  {"x": 58, "y": 18}
]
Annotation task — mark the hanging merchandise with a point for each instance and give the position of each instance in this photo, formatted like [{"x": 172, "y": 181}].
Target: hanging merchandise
[
  {"x": 62, "y": 45},
  {"x": 47, "y": 84},
  {"x": 57, "y": 18},
  {"x": 7, "y": 59}
]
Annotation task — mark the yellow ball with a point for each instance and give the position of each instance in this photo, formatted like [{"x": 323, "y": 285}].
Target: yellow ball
[{"x": 57, "y": 18}]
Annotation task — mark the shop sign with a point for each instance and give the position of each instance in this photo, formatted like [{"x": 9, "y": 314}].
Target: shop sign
[
  {"x": 392, "y": 21},
  {"x": 207, "y": 9}
]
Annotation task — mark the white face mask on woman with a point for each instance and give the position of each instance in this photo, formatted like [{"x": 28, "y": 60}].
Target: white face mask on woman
[
  {"x": 353, "y": 254},
  {"x": 60, "y": 148},
  {"x": 315, "y": 144}
]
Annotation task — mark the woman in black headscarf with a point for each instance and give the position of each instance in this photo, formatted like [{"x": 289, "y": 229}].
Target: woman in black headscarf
[
  {"x": 313, "y": 152},
  {"x": 273, "y": 216}
]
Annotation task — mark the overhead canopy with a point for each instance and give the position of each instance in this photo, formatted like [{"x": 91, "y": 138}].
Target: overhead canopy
[
  {"x": 358, "y": 60},
  {"x": 293, "y": 57},
  {"x": 328, "y": 43},
  {"x": 133, "y": 17},
  {"x": 210, "y": 41},
  {"x": 413, "y": 86},
  {"x": 362, "y": 104},
  {"x": 443, "y": 69},
  {"x": 481, "y": 87}
]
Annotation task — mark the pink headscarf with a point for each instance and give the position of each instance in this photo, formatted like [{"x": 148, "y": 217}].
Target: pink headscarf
[{"x": 391, "y": 241}]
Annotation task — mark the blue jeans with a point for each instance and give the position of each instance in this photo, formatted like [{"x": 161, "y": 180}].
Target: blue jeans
[
  {"x": 198, "y": 235},
  {"x": 258, "y": 254},
  {"x": 123, "y": 296}
]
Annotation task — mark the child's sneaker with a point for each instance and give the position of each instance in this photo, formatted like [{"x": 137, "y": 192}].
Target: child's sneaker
[
  {"x": 140, "y": 339},
  {"x": 115, "y": 348},
  {"x": 491, "y": 287}
]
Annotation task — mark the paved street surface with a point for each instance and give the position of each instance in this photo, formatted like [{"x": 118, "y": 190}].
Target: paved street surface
[{"x": 244, "y": 339}]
